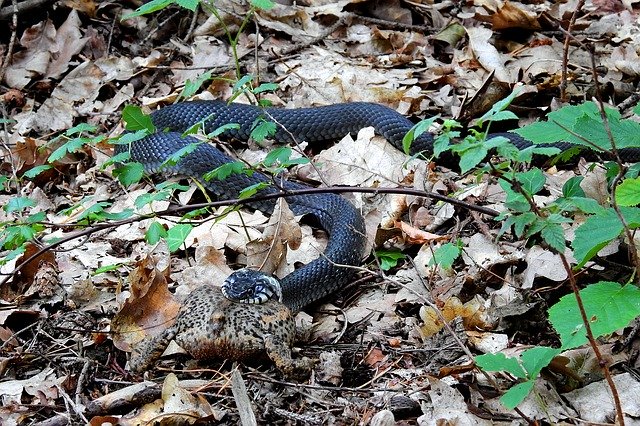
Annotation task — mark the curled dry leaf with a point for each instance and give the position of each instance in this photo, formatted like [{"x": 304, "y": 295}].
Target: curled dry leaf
[
  {"x": 473, "y": 314},
  {"x": 148, "y": 311},
  {"x": 269, "y": 251}
]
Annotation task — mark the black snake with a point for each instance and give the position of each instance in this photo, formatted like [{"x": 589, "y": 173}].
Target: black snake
[{"x": 336, "y": 215}]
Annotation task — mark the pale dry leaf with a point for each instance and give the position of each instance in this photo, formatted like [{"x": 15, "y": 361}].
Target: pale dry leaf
[
  {"x": 268, "y": 252},
  {"x": 487, "y": 342},
  {"x": 487, "y": 54},
  {"x": 447, "y": 405},
  {"x": 542, "y": 263},
  {"x": 594, "y": 403},
  {"x": 485, "y": 253},
  {"x": 39, "y": 41},
  {"x": 324, "y": 77},
  {"x": 43, "y": 382},
  {"x": 69, "y": 42}
]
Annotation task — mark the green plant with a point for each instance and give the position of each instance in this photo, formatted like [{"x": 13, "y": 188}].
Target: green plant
[{"x": 600, "y": 308}]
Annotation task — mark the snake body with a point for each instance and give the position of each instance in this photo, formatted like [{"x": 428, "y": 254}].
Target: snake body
[{"x": 336, "y": 215}]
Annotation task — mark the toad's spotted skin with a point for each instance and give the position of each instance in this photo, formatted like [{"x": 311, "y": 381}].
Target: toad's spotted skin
[{"x": 211, "y": 326}]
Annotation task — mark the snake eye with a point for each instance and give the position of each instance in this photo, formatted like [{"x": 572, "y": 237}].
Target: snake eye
[{"x": 249, "y": 286}]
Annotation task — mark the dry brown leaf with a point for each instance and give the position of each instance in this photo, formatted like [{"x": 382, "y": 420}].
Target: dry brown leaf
[
  {"x": 510, "y": 16},
  {"x": 473, "y": 314},
  {"x": 487, "y": 54},
  {"x": 282, "y": 232},
  {"x": 418, "y": 236},
  {"x": 149, "y": 310}
]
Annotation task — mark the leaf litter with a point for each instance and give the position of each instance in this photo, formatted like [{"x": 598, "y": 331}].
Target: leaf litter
[{"x": 377, "y": 341}]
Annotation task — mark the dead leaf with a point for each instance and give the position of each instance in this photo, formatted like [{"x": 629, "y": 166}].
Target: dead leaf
[
  {"x": 269, "y": 251},
  {"x": 149, "y": 310},
  {"x": 487, "y": 54}
]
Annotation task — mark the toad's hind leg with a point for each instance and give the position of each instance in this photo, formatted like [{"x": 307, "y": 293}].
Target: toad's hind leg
[
  {"x": 280, "y": 353},
  {"x": 147, "y": 351}
]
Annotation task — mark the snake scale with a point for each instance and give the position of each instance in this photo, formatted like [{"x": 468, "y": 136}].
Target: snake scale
[{"x": 336, "y": 215}]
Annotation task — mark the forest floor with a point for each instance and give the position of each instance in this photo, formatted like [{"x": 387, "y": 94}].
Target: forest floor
[{"x": 70, "y": 318}]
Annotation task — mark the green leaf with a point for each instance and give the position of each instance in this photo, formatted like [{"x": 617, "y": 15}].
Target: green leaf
[
  {"x": 80, "y": 128},
  {"x": 173, "y": 159},
  {"x": 497, "y": 112},
  {"x": 135, "y": 119},
  {"x": 191, "y": 87},
  {"x": 600, "y": 229},
  {"x": 224, "y": 171},
  {"x": 515, "y": 201},
  {"x": 415, "y": 132},
  {"x": 389, "y": 258},
  {"x": 262, "y": 4},
  {"x": 252, "y": 190},
  {"x": 150, "y": 7},
  {"x": 571, "y": 187},
  {"x": 222, "y": 129},
  {"x": 628, "y": 192},
  {"x": 532, "y": 181},
  {"x": 553, "y": 234},
  {"x": 609, "y": 306},
  {"x": 18, "y": 204},
  {"x": 536, "y": 358},
  {"x": 35, "y": 171},
  {"x": 445, "y": 255},
  {"x": 499, "y": 362},
  {"x": 262, "y": 130},
  {"x": 129, "y": 173},
  {"x": 239, "y": 86},
  {"x": 155, "y": 232},
  {"x": 177, "y": 234},
  {"x": 188, "y": 4},
  {"x": 265, "y": 87},
  {"x": 72, "y": 145},
  {"x": 279, "y": 155},
  {"x": 106, "y": 268},
  {"x": 517, "y": 394}
]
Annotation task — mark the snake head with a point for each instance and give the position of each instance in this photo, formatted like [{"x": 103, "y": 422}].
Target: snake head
[{"x": 249, "y": 286}]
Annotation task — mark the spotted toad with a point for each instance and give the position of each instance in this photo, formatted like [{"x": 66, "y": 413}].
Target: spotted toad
[{"x": 210, "y": 326}]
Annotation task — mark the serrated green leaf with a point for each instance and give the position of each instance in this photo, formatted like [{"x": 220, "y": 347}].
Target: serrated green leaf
[
  {"x": 191, "y": 87},
  {"x": 609, "y": 306},
  {"x": 150, "y": 7},
  {"x": 129, "y": 173},
  {"x": 135, "y": 119},
  {"x": 177, "y": 234},
  {"x": 516, "y": 394},
  {"x": 222, "y": 129},
  {"x": 536, "y": 358},
  {"x": 17, "y": 204},
  {"x": 178, "y": 155},
  {"x": 499, "y": 362},
  {"x": 188, "y": 4},
  {"x": 628, "y": 192},
  {"x": 224, "y": 171},
  {"x": 600, "y": 229},
  {"x": 35, "y": 171},
  {"x": 279, "y": 155},
  {"x": 252, "y": 190},
  {"x": 445, "y": 255},
  {"x": 262, "y": 130},
  {"x": 553, "y": 234},
  {"x": 532, "y": 181}
]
